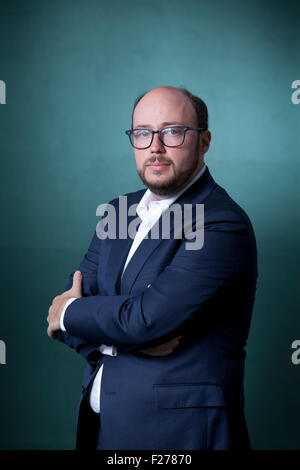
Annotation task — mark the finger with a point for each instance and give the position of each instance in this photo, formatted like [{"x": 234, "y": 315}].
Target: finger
[
  {"x": 156, "y": 352},
  {"x": 50, "y": 332},
  {"x": 166, "y": 353},
  {"x": 161, "y": 349},
  {"x": 173, "y": 342},
  {"x": 76, "y": 286},
  {"x": 162, "y": 353},
  {"x": 147, "y": 351}
]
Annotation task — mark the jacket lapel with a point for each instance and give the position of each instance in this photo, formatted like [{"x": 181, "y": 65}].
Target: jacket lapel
[{"x": 120, "y": 247}]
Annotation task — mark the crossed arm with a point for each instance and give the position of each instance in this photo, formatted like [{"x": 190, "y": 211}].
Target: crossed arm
[
  {"x": 75, "y": 291},
  {"x": 82, "y": 286},
  {"x": 182, "y": 290}
]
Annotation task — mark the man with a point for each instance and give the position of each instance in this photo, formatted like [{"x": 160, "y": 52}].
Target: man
[{"x": 163, "y": 326}]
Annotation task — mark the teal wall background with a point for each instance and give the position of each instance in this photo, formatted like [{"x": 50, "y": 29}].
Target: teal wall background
[{"x": 72, "y": 71}]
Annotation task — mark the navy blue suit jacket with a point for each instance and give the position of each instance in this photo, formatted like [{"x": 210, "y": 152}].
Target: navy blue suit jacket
[{"x": 192, "y": 398}]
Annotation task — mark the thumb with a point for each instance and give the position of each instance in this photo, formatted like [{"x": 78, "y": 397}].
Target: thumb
[{"x": 76, "y": 287}]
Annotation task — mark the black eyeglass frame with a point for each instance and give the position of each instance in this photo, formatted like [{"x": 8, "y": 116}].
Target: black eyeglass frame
[{"x": 185, "y": 128}]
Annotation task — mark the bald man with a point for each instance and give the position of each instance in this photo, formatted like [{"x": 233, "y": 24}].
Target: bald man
[{"x": 162, "y": 315}]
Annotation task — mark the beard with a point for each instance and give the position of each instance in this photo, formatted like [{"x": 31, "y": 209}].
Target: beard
[{"x": 173, "y": 183}]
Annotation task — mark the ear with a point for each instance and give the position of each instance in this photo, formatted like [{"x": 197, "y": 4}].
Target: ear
[{"x": 205, "y": 138}]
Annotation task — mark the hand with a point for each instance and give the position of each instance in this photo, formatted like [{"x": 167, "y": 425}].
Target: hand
[
  {"x": 59, "y": 302},
  {"x": 163, "y": 349}
]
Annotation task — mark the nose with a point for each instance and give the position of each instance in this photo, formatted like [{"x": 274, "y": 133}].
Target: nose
[{"x": 157, "y": 145}]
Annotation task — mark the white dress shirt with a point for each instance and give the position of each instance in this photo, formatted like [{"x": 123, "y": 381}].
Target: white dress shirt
[{"x": 149, "y": 210}]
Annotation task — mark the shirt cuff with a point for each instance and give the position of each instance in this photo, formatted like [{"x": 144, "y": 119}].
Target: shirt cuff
[
  {"x": 61, "y": 321},
  {"x": 109, "y": 350}
]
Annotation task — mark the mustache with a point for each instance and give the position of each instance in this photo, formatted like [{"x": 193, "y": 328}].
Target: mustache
[{"x": 157, "y": 160}]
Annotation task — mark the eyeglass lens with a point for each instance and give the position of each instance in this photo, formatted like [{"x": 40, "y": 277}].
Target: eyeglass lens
[{"x": 170, "y": 136}]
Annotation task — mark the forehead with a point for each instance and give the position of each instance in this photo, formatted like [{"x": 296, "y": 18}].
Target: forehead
[{"x": 164, "y": 106}]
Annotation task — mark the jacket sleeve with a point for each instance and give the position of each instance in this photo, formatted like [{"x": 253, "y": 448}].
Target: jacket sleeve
[{"x": 182, "y": 290}]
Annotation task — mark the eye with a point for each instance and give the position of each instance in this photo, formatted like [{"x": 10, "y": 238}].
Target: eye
[
  {"x": 141, "y": 133},
  {"x": 171, "y": 130}
]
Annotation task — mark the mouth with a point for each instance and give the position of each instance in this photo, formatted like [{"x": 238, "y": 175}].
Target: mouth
[{"x": 159, "y": 166}]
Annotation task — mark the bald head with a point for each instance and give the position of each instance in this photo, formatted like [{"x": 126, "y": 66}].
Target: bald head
[
  {"x": 164, "y": 103},
  {"x": 197, "y": 103}
]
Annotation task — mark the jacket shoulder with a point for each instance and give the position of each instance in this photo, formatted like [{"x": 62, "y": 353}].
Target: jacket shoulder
[{"x": 221, "y": 206}]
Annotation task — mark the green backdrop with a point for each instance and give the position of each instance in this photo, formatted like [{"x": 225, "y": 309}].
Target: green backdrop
[{"x": 72, "y": 70}]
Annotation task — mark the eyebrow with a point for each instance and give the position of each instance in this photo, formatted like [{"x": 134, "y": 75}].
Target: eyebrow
[{"x": 162, "y": 124}]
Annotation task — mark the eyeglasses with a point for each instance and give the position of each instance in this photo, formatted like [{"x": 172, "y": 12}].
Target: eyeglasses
[{"x": 169, "y": 136}]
